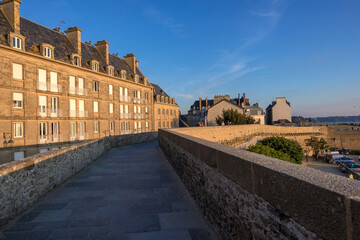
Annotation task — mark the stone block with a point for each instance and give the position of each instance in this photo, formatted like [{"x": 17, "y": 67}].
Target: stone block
[
  {"x": 313, "y": 207},
  {"x": 236, "y": 169},
  {"x": 208, "y": 155},
  {"x": 353, "y": 216}
]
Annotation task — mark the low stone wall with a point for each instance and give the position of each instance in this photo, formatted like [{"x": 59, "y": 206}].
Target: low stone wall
[
  {"x": 23, "y": 182},
  {"x": 245, "y": 195}
]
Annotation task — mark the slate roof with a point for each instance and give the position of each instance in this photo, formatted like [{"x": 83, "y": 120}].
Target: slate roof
[
  {"x": 36, "y": 34},
  {"x": 159, "y": 91}
]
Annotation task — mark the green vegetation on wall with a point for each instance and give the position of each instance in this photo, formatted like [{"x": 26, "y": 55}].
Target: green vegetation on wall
[{"x": 281, "y": 148}]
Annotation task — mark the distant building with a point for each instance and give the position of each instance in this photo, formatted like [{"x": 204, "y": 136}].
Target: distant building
[
  {"x": 278, "y": 112},
  {"x": 207, "y": 110},
  {"x": 166, "y": 111}
]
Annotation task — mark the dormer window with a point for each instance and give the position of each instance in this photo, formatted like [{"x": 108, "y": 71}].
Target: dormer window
[
  {"x": 47, "y": 52},
  {"x": 146, "y": 82},
  {"x": 123, "y": 74},
  {"x": 110, "y": 71},
  {"x": 17, "y": 42},
  {"x": 136, "y": 78},
  {"x": 95, "y": 67},
  {"x": 76, "y": 59}
]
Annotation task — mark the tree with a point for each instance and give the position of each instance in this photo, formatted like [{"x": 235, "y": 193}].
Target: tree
[
  {"x": 316, "y": 145},
  {"x": 281, "y": 148},
  {"x": 236, "y": 118}
]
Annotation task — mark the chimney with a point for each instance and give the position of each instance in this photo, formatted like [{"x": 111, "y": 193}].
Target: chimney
[
  {"x": 200, "y": 103},
  {"x": 74, "y": 36},
  {"x": 103, "y": 48},
  {"x": 137, "y": 63},
  {"x": 57, "y": 29},
  {"x": 130, "y": 59},
  {"x": 11, "y": 9},
  {"x": 239, "y": 99}
]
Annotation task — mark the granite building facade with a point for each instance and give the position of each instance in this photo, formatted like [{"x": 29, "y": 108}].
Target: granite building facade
[{"x": 56, "y": 88}]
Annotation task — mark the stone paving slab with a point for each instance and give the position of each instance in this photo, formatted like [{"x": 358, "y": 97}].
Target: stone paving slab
[{"x": 130, "y": 193}]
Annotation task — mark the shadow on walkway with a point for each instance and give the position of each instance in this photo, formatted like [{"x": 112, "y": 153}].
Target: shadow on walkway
[{"x": 130, "y": 193}]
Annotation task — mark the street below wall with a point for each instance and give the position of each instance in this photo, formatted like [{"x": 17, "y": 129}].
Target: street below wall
[{"x": 327, "y": 167}]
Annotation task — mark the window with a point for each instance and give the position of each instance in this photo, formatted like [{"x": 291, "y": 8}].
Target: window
[
  {"x": 17, "y": 71},
  {"x": 18, "y": 100},
  {"x": 95, "y": 66},
  {"x": 53, "y": 82},
  {"x": 72, "y": 108},
  {"x": 146, "y": 96},
  {"x": 43, "y": 130},
  {"x": 42, "y": 80},
  {"x": 47, "y": 52},
  {"x": 96, "y": 127},
  {"x": 73, "y": 128},
  {"x": 163, "y": 124},
  {"x": 139, "y": 109},
  {"x": 121, "y": 92},
  {"x": 121, "y": 109},
  {"x": 167, "y": 124},
  {"x": 77, "y": 61},
  {"x": 54, "y": 130},
  {"x": 81, "y": 86},
  {"x": 110, "y": 89},
  {"x": 72, "y": 85},
  {"x": 42, "y": 106},
  {"x": 81, "y": 108},
  {"x": 111, "y": 71},
  {"x": 170, "y": 111},
  {"x": 82, "y": 129},
  {"x": 136, "y": 78},
  {"x": 54, "y": 105},
  {"x": 18, "y": 130},
  {"x": 147, "y": 125},
  {"x": 122, "y": 127},
  {"x": 138, "y": 94},
  {"x": 126, "y": 108},
  {"x": 134, "y": 109},
  {"x": 127, "y": 124},
  {"x": 159, "y": 125},
  {"x": 146, "y": 110},
  {"x": 123, "y": 74},
  {"x": 135, "y": 127},
  {"x": 112, "y": 126},
  {"x": 96, "y": 106},
  {"x": 139, "y": 125},
  {"x": 159, "y": 111},
  {"x": 111, "y": 108},
  {"x": 96, "y": 86},
  {"x": 16, "y": 42},
  {"x": 167, "y": 111},
  {"x": 163, "y": 112}
]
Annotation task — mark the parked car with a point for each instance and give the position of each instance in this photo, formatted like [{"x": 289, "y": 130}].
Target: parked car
[
  {"x": 353, "y": 166},
  {"x": 345, "y": 151},
  {"x": 343, "y": 159}
]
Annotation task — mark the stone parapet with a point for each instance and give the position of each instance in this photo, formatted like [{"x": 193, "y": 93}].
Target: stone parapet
[
  {"x": 23, "y": 182},
  {"x": 245, "y": 195}
]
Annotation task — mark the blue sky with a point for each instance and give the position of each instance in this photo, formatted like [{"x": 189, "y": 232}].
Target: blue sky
[{"x": 305, "y": 50}]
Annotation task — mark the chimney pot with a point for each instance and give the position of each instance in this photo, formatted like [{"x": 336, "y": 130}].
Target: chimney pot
[
  {"x": 103, "y": 48},
  {"x": 11, "y": 9},
  {"x": 130, "y": 59},
  {"x": 74, "y": 36}
]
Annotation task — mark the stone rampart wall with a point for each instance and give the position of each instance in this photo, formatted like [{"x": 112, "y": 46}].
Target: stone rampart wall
[
  {"x": 237, "y": 135},
  {"x": 245, "y": 195},
  {"x": 23, "y": 182}
]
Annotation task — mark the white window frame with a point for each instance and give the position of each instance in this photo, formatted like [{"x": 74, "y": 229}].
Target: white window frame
[
  {"x": 96, "y": 106},
  {"x": 96, "y": 127},
  {"x": 111, "y": 108},
  {"x": 20, "y": 133},
  {"x": 17, "y": 42},
  {"x": 18, "y": 71},
  {"x": 18, "y": 98},
  {"x": 95, "y": 66},
  {"x": 47, "y": 52},
  {"x": 110, "y": 89}
]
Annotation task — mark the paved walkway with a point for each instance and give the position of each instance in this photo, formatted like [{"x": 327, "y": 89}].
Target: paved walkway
[{"x": 130, "y": 193}]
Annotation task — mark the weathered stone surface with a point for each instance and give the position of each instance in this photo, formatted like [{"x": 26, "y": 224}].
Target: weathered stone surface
[
  {"x": 23, "y": 182},
  {"x": 247, "y": 195}
]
